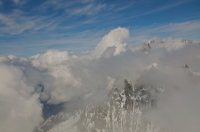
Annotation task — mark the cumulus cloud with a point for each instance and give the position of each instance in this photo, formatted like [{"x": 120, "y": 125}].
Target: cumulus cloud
[
  {"x": 62, "y": 77},
  {"x": 60, "y": 86},
  {"x": 49, "y": 59},
  {"x": 115, "y": 38},
  {"x": 20, "y": 109}
]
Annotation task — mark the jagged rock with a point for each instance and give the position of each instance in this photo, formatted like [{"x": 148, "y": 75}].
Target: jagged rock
[
  {"x": 186, "y": 41},
  {"x": 185, "y": 66},
  {"x": 146, "y": 47},
  {"x": 128, "y": 91},
  {"x": 124, "y": 112}
]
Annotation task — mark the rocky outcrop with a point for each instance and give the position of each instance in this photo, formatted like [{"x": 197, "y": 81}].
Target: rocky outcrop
[{"x": 124, "y": 112}]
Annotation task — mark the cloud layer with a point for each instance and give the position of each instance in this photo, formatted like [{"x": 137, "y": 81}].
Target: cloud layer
[
  {"x": 20, "y": 109},
  {"x": 60, "y": 77}
]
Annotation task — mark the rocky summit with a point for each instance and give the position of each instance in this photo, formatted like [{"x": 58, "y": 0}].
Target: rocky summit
[{"x": 125, "y": 111}]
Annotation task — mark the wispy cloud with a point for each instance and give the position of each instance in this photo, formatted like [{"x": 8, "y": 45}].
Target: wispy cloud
[
  {"x": 18, "y": 22},
  {"x": 189, "y": 29},
  {"x": 60, "y": 22},
  {"x": 180, "y": 27},
  {"x": 38, "y": 43},
  {"x": 20, "y": 2},
  {"x": 83, "y": 41},
  {"x": 163, "y": 8},
  {"x": 125, "y": 7},
  {"x": 76, "y": 7},
  {"x": 59, "y": 4},
  {"x": 90, "y": 9}
]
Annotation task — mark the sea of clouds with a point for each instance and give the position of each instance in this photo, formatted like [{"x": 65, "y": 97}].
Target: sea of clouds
[{"x": 60, "y": 77}]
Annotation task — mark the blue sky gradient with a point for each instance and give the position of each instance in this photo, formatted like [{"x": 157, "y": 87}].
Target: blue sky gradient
[{"x": 29, "y": 27}]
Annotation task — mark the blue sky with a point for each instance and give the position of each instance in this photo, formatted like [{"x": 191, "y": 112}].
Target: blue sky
[{"x": 29, "y": 27}]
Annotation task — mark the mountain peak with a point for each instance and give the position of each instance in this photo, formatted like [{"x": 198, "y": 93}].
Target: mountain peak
[{"x": 124, "y": 112}]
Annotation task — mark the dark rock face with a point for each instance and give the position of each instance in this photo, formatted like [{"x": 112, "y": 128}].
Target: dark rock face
[
  {"x": 128, "y": 91},
  {"x": 125, "y": 112},
  {"x": 49, "y": 110}
]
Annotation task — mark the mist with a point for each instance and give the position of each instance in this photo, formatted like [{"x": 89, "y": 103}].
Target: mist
[{"x": 75, "y": 79}]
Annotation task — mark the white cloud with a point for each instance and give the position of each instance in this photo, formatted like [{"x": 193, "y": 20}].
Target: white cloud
[
  {"x": 76, "y": 7},
  {"x": 18, "y": 22},
  {"x": 177, "y": 109},
  {"x": 49, "y": 59},
  {"x": 89, "y": 76},
  {"x": 110, "y": 83},
  {"x": 115, "y": 38},
  {"x": 186, "y": 30},
  {"x": 20, "y": 109},
  {"x": 55, "y": 62},
  {"x": 90, "y": 9},
  {"x": 20, "y": 2}
]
